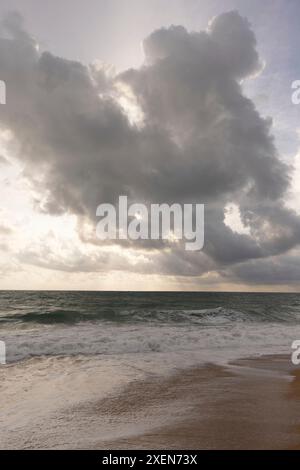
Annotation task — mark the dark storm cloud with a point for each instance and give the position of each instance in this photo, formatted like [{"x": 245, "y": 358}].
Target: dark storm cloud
[
  {"x": 283, "y": 269},
  {"x": 201, "y": 139}
]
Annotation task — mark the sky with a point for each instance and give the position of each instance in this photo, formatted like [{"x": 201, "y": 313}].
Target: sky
[{"x": 165, "y": 101}]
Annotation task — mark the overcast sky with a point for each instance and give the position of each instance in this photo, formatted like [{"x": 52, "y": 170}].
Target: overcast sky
[{"x": 164, "y": 101}]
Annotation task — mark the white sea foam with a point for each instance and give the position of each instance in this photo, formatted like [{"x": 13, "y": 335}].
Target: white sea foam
[{"x": 217, "y": 341}]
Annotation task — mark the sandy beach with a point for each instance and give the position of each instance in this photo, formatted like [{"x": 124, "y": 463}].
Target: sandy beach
[
  {"x": 251, "y": 404},
  {"x": 246, "y": 404}
]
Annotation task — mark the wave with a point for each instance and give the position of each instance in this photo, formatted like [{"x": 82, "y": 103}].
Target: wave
[
  {"x": 209, "y": 343},
  {"x": 202, "y": 325},
  {"x": 217, "y": 315}
]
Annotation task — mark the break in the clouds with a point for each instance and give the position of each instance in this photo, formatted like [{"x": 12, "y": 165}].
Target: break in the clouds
[{"x": 177, "y": 129}]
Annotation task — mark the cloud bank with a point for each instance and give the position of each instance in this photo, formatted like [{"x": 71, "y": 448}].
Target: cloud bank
[{"x": 178, "y": 129}]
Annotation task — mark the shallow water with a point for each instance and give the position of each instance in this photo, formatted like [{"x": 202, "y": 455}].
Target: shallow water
[{"x": 66, "y": 350}]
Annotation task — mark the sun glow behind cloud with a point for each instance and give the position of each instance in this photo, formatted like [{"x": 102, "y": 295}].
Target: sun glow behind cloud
[
  {"x": 54, "y": 242},
  {"x": 128, "y": 102}
]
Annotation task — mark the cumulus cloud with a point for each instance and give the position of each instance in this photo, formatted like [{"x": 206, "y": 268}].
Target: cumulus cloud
[{"x": 198, "y": 139}]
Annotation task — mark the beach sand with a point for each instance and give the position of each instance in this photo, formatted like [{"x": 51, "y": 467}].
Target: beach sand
[{"x": 250, "y": 404}]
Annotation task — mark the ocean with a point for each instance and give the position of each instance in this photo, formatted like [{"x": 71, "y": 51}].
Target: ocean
[
  {"x": 204, "y": 326},
  {"x": 65, "y": 350}
]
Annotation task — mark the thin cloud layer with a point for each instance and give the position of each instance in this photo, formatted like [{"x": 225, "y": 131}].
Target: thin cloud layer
[{"x": 186, "y": 133}]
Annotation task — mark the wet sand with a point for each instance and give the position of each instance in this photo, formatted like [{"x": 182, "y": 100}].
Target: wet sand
[{"x": 251, "y": 404}]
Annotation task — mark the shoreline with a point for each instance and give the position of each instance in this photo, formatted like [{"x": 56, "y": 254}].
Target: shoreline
[{"x": 249, "y": 404}]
